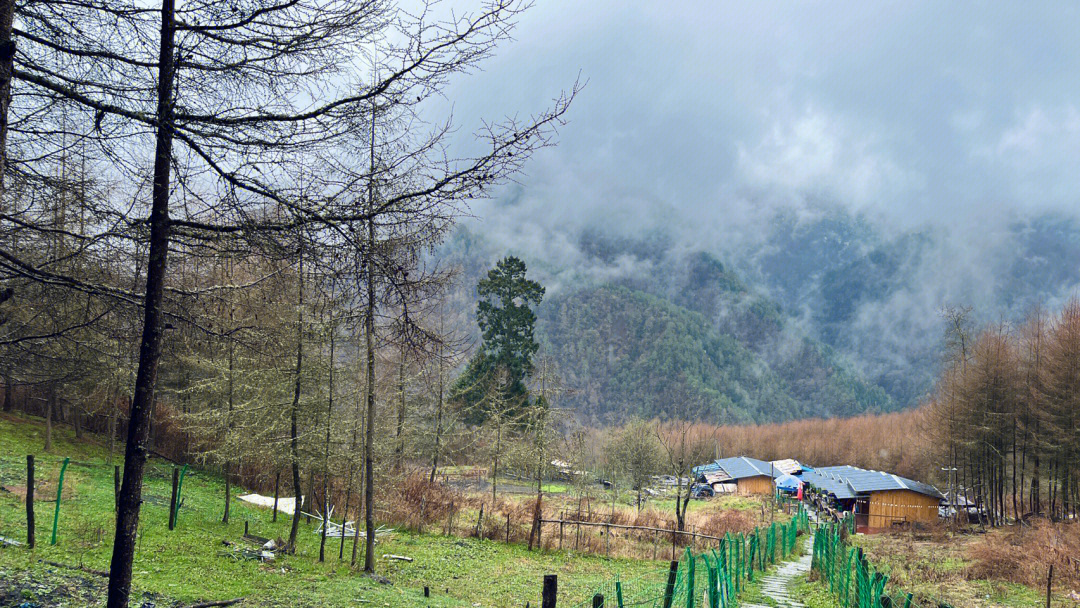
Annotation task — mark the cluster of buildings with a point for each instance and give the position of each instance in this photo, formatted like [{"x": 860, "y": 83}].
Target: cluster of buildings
[{"x": 878, "y": 500}]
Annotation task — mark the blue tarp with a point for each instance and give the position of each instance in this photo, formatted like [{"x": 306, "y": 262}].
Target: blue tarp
[{"x": 787, "y": 482}]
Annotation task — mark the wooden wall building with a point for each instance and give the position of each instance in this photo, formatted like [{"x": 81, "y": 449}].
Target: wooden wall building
[
  {"x": 888, "y": 507},
  {"x": 750, "y": 475},
  {"x": 879, "y": 500},
  {"x": 759, "y": 484}
]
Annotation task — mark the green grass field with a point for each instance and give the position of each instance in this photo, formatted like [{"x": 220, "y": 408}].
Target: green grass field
[{"x": 192, "y": 564}]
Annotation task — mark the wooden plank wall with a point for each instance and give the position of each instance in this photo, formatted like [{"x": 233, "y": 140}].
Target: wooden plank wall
[
  {"x": 902, "y": 505},
  {"x": 756, "y": 485}
]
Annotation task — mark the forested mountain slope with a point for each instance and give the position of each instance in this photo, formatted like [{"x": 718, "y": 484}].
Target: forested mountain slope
[
  {"x": 814, "y": 312},
  {"x": 712, "y": 352}
]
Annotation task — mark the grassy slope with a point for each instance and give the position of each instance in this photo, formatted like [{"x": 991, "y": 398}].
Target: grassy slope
[{"x": 185, "y": 565}]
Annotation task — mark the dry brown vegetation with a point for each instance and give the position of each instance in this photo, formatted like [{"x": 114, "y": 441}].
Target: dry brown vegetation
[
  {"x": 894, "y": 442},
  {"x": 1023, "y": 554},
  {"x": 958, "y": 568},
  {"x": 414, "y": 503}
]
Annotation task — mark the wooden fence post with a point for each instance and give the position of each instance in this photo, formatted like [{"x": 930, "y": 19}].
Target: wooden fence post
[
  {"x": 508, "y": 529},
  {"x": 1049, "y": 580},
  {"x": 172, "y": 502},
  {"x": 551, "y": 591},
  {"x": 30, "y": 500}
]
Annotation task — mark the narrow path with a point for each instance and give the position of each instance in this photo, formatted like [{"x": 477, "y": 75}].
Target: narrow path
[{"x": 776, "y": 585}]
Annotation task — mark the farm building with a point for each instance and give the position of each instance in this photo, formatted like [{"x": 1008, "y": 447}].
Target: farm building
[
  {"x": 742, "y": 474},
  {"x": 879, "y": 500}
]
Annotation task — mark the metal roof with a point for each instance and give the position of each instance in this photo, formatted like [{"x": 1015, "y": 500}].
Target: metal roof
[
  {"x": 862, "y": 481},
  {"x": 739, "y": 468},
  {"x": 717, "y": 476},
  {"x": 742, "y": 467},
  {"x": 829, "y": 483},
  {"x": 788, "y": 466}
]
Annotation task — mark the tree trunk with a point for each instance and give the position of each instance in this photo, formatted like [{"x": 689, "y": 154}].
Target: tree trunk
[
  {"x": 399, "y": 449},
  {"x": 277, "y": 482},
  {"x": 438, "y": 422},
  {"x": 112, "y": 436},
  {"x": 228, "y": 492},
  {"x": 127, "y": 520},
  {"x": 7, "y": 64},
  {"x": 326, "y": 455},
  {"x": 369, "y": 330},
  {"x": 495, "y": 463},
  {"x": 76, "y": 420},
  {"x": 357, "y": 422},
  {"x": 294, "y": 414},
  {"x": 9, "y": 391},
  {"x": 228, "y": 427},
  {"x": 49, "y": 401},
  {"x": 345, "y": 515}
]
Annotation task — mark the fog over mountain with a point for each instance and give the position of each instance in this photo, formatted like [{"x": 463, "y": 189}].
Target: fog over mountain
[{"x": 857, "y": 166}]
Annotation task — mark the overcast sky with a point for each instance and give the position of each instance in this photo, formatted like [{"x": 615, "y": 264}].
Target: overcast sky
[{"x": 699, "y": 113}]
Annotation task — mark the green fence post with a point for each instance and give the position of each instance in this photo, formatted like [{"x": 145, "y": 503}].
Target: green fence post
[
  {"x": 618, "y": 594},
  {"x": 689, "y": 578},
  {"x": 59, "y": 492},
  {"x": 179, "y": 490},
  {"x": 714, "y": 583}
]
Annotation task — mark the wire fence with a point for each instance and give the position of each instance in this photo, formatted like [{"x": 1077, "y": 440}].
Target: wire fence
[
  {"x": 851, "y": 577},
  {"x": 710, "y": 579}
]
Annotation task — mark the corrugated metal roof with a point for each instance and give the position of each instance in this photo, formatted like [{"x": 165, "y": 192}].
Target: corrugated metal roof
[
  {"x": 788, "y": 466},
  {"x": 830, "y": 483},
  {"x": 739, "y": 467},
  {"x": 717, "y": 476},
  {"x": 742, "y": 467},
  {"x": 862, "y": 481}
]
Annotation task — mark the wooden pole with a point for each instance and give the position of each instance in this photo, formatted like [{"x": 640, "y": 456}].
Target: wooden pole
[
  {"x": 508, "y": 529},
  {"x": 172, "y": 502},
  {"x": 1049, "y": 581},
  {"x": 30, "y": 500},
  {"x": 550, "y": 592}
]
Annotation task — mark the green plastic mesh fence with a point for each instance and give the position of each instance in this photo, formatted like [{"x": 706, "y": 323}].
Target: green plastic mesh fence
[
  {"x": 851, "y": 577},
  {"x": 711, "y": 579}
]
